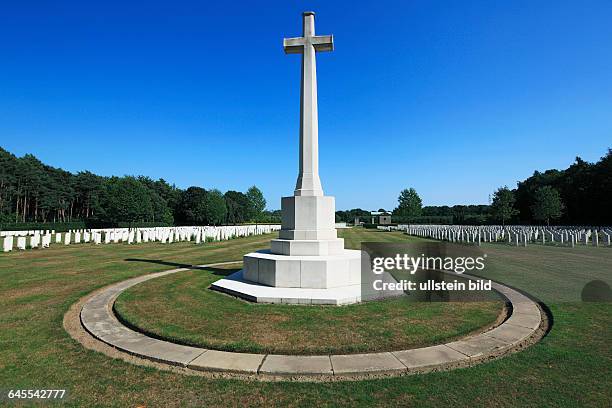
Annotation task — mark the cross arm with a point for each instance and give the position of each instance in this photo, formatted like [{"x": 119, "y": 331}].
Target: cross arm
[
  {"x": 323, "y": 42},
  {"x": 293, "y": 45},
  {"x": 319, "y": 42}
]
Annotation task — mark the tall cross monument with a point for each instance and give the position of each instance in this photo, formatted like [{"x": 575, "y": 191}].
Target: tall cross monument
[
  {"x": 308, "y": 182},
  {"x": 308, "y": 253},
  {"x": 308, "y": 215}
]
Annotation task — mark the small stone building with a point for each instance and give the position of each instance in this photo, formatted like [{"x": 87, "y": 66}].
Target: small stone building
[
  {"x": 384, "y": 219},
  {"x": 379, "y": 217}
]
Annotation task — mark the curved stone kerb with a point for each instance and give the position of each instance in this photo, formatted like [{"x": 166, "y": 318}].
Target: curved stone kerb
[{"x": 99, "y": 320}]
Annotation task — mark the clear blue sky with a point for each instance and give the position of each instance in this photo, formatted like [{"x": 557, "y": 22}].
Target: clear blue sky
[{"x": 452, "y": 98}]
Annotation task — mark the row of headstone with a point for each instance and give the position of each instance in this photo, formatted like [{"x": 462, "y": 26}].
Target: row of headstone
[
  {"x": 165, "y": 235},
  {"x": 518, "y": 235}
]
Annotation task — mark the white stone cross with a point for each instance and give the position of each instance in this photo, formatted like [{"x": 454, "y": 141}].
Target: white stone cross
[{"x": 308, "y": 182}]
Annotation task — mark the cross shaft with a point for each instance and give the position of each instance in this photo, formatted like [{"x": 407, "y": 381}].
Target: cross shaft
[{"x": 308, "y": 182}]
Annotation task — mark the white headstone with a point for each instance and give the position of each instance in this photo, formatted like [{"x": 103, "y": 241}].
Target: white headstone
[
  {"x": 46, "y": 240},
  {"x": 7, "y": 244}
]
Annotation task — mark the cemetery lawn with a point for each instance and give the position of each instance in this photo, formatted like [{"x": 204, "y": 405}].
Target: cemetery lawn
[
  {"x": 181, "y": 308},
  {"x": 571, "y": 366}
]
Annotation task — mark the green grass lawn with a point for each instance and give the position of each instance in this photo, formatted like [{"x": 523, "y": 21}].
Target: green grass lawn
[
  {"x": 572, "y": 366},
  {"x": 181, "y": 308}
]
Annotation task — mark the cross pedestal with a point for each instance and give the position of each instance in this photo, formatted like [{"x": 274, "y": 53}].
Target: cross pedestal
[{"x": 308, "y": 255}]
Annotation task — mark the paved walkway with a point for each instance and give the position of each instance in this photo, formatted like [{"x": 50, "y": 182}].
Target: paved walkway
[{"x": 99, "y": 320}]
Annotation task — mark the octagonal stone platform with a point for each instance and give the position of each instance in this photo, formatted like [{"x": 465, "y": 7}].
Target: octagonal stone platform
[
  {"x": 307, "y": 247},
  {"x": 236, "y": 285},
  {"x": 311, "y": 272}
]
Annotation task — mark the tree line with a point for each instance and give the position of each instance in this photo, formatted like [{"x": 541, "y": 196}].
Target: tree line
[
  {"x": 578, "y": 195},
  {"x": 33, "y": 192}
]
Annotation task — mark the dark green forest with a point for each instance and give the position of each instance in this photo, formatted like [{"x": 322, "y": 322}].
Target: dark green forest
[
  {"x": 33, "y": 192},
  {"x": 584, "y": 192},
  {"x": 585, "y": 189}
]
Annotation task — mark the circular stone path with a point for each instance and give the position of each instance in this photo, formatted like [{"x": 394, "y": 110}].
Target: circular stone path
[{"x": 525, "y": 326}]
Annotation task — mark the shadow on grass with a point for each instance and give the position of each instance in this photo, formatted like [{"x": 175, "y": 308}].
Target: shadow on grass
[{"x": 215, "y": 271}]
